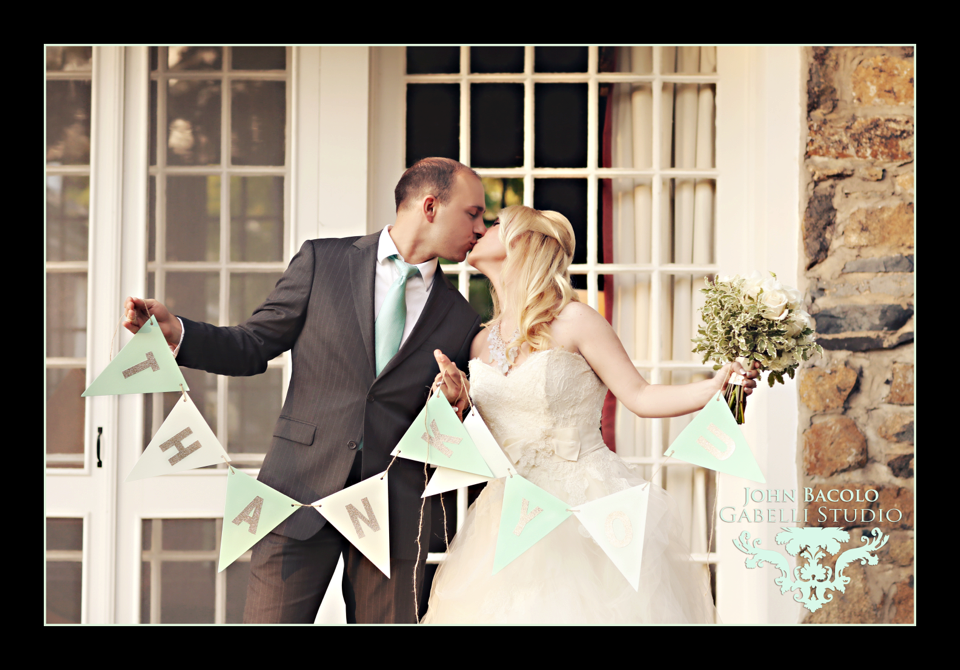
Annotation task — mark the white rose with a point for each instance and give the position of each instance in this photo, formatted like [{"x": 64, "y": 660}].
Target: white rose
[
  {"x": 751, "y": 287},
  {"x": 773, "y": 300},
  {"x": 794, "y": 298}
]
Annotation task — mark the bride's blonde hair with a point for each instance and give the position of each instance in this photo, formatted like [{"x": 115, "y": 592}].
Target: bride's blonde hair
[{"x": 535, "y": 277}]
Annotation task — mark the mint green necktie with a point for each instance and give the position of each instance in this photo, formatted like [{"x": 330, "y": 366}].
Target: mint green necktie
[{"x": 393, "y": 315}]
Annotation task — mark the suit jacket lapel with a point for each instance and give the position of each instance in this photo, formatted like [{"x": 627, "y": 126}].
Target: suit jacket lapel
[
  {"x": 362, "y": 275},
  {"x": 438, "y": 304}
]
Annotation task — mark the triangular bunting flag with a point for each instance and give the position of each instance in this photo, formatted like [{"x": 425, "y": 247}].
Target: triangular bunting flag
[
  {"x": 714, "y": 440},
  {"x": 528, "y": 514},
  {"x": 437, "y": 437},
  {"x": 184, "y": 442},
  {"x": 446, "y": 479},
  {"x": 145, "y": 365},
  {"x": 362, "y": 515},
  {"x": 617, "y": 523},
  {"x": 252, "y": 510}
]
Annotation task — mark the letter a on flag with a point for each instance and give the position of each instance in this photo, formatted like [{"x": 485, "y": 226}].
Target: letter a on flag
[
  {"x": 361, "y": 514},
  {"x": 145, "y": 365},
  {"x": 437, "y": 437},
  {"x": 447, "y": 479},
  {"x": 184, "y": 442},
  {"x": 617, "y": 523},
  {"x": 251, "y": 511},
  {"x": 529, "y": 513},
  {"x": 714, "y": 440}
]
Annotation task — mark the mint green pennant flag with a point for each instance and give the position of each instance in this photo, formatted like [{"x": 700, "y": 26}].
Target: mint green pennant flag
[
  {"x": 437, "y": 437},
  {"x": 529, "y": 513},
  {"x": 714, "y": 440},
  {"x": 145, "y": 365},
  {"x": 252, "y": 510}
]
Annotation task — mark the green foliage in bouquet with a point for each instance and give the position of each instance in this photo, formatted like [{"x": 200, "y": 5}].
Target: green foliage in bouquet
[{"x": 754, "y": 319}]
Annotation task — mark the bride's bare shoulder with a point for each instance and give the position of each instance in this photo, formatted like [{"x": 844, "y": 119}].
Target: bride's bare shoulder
[
  {"x": 479, "y": 345},
  {"x": 568, "y": 328}
]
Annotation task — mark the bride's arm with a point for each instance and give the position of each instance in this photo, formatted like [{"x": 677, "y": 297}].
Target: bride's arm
[{"x": 598, "y": 343}]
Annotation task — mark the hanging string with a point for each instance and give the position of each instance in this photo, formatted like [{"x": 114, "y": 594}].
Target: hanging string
[
  {"x": 113, "y": 339},
  {"x": 228, "y": 464},
  {"x": 423, "y": 501}
]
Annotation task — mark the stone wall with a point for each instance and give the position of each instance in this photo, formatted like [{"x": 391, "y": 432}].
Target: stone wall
[{"x": 856, "y": 402}]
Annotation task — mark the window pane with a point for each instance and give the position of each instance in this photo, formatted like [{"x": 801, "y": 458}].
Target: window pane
[
  {"x": 500, "y": 193},
  {"x": 65, "y": 414},
  {"x": 248, "y": 291},
  {"x": 189, "y": 535},
  {"x": 486, "y": 60},
  {"x": 433, "y": 60},
  {"x": 64, "y": 591},
  {"x": 193, "y": 122},
  {"x": 187, "y": 591},
  {"x": 254, "y": 408},
  {"x": 64, "y": 534},
  {"x": 561, "y": 125},
  {"x": 569, "y": 197},
  {"x": 256, "y": 219},
  {"x": 259, "y": 114},
  {"x": 560, "y": 59},
  {"x": 259, "y": 58},
  {"x": 496, "y": 125},
  {"x": 69, "y": 59},
  {"x": 194, "y": 58},
  {"x": 145, "y": 592},
  {"x": 68, "y": 200},
  {"x": 67, "y": 314},
  {"x": 68, "y": 122},
  {"x": 193, "y": 218},
  {"x": 480, "y": 298},
  {"x": 694, "y": 124},
  {"x": 433, "y": 121},
  {"x": 195, "y": 295},
  {"x": 689, "y": 225},
  {"x": 632, "y": 116}
]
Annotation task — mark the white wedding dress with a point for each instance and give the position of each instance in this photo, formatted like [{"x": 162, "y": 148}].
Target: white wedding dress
[{"x": 565, "y": 578}]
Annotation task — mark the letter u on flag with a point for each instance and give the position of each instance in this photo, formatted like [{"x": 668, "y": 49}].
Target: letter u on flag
[
  {"x": 714, "y": 440},
  {"x": 145, "y": 365}
]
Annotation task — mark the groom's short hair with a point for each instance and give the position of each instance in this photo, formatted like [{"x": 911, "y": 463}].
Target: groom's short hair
[{"x": 429, "y": 176}]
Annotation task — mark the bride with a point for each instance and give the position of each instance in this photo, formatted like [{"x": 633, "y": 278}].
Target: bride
[{"x": 546, "y": 360}]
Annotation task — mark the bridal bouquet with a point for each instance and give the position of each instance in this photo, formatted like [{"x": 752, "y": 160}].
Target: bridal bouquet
[{"x": 754, "y": 318}]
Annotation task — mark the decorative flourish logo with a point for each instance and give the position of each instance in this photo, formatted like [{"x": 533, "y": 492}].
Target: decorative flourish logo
[{"x": 813, "y": 580}]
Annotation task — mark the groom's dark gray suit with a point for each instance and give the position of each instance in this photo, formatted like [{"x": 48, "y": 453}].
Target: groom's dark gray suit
[{"x": 323, "y": 309}]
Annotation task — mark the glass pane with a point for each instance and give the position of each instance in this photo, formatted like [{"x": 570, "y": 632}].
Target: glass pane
[
  {"x": 195, "y": 295},
  {"x": 194, "y": 58},
  {"x": 258, "y": 121},
  {"x": 64, "y": 591},
  {"x": 259, "y": 58},
  {"x": 145, "y": 592},
  {"x": 65, "y": 413},
  {"x": 69, "y": 59},
  {"x": 68, "y": 202},
  {"x": 561, "y": 121},
  {"x": 256, "y": 218},
  {"x": 500, "y": 193},
  {"x": 433, "y": 60},
  {"x": 189, "y": 535},
  {"x": 688, "y": 227},
  {"x": 238, "y": 574},
  {"x": 496, "y": 125},
  {"x": 433, "y": 121},
  {"x": 631, "y": 139},
  {"x": 153, "y": 122},
  {"x": 146, "y": 530},
  {"x": 67, "y": 314},
  {"x": 248, "y": 291},
  {"x": 694, "y": 124},
  {"x": 187, "y": 591},
  {"x": 569, "y": 197},
  {"x": 193, "y": 122},
  {"x": 560, "y": 59},
  {"x": 637, "y": 60},
  {"x": 64, "y": 534},
  {"x": 152, "y": 221},
  {"x": 480, "y": 298},
  {"x": 485, "y": 60},
  {"x": 68, "y": 122},
  {"x": 254, "y": 408},
  {"x": 193, "y": 218}
]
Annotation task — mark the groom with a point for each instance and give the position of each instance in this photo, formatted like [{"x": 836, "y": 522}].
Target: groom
[{"x": 364, "y": 317}]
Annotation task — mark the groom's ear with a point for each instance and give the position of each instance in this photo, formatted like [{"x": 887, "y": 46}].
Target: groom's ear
[{"x": 429, "y": 206}]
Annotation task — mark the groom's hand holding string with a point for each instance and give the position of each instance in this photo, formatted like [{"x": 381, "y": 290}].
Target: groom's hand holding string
[
  {"x": 452, "y": 381},
  {"x": 138, "y": 311}
]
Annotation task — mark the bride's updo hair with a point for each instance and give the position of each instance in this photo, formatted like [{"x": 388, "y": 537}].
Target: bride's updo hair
[{"x": 535, "y": 277}]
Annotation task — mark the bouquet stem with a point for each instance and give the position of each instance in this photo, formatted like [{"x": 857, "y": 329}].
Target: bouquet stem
[{"x": 736, "y": 400}]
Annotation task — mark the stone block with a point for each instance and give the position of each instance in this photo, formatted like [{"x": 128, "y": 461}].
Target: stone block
[
  {"x": 888, "y": 139},
  {"x": 897, "y": 428},
  {"x": 901, "y": 389},
  {"x": 883, "y": 80},
  {"x": 897, "y": 263},
  {"x": 833, "y": 446},
  {"x": 899, "y": 550},
  {"x": 823, "y": 390},
  {"x": 901, "y": 466},
  {"x": 854, "y": 605},
  {"x": 902, "y": 602},
  {"x": 880, "y": 226},
  {"x": 819, "y": 223},
  {"x": 857, "y": 318}
]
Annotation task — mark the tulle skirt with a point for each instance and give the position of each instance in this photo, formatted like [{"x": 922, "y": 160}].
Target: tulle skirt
[{"x": 566, "y": 578}]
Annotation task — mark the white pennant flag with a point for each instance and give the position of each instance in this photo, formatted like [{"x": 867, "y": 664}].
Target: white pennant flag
[
  {"x": 617, "y": 523},
  {"x": 361, "y": 514},
  {"x": 183, "y": 442},
  {"x": 448, "y": 479}
]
